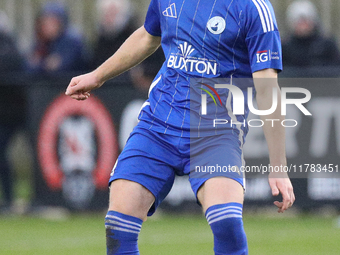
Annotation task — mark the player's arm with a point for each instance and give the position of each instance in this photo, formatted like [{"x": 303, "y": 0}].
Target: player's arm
[
  {"x": 134, "y": 50},
  {"x": 264, "y": 81}
]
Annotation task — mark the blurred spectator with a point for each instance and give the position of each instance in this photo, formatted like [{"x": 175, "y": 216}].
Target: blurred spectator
[
  {"x": 10, "y": 107},
  {"x": 143, "y": 74},
  {"x": 116, "y": 22},
  {"x": 57, "y": 47},
  {"x": 306, "y": 45},
  {"x": 10, "y": 59}
]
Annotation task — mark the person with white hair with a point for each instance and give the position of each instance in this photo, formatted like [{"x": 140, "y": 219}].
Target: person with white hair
[
  {"x": 306, "y": 45},
  {"x": 116, "y": 23},
  {"x": 5, "y": 25}
]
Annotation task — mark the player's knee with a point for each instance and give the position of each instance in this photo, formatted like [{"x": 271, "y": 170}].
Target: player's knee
[
  {"x": 227, "y": 226},
  {"x": 230, "y": 229}
]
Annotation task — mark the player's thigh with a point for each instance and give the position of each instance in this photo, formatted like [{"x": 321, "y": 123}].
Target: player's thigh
[
  {"x": 130, "y": 198},
  {"x": 142, "y": 175},
  {"x": 215, "y": 170},
  {"x": 220, "y": 190}
]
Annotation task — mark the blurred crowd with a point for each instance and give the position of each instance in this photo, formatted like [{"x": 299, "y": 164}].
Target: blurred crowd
[
  {"x": 59, "y": 48},
  {"x": 306, "y": 44}
]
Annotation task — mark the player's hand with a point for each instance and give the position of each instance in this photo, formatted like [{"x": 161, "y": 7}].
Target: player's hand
[
  {"x": 280, "y": 183},
  {"x": 81, "y": 86}
]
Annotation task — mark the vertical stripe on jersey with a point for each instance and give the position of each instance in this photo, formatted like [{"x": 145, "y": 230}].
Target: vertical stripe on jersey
[
  {"x": 206, "y": 28},
  {"x": 226, "y": 17},
  {"x": 166, "y": 57},
  {"x": 179, "y": 15},
  {"x": 219, "y": 40},
  {"x": 233, "y": 49},
  {"x": 173, "y": 96},
  {"x": 204, "y": 51},
  {"x": 193, "y": 20},
  {"x": 185, "y": 111},
  {"x": 173, "y": 99},
  {"x": 188, "y": 92}
]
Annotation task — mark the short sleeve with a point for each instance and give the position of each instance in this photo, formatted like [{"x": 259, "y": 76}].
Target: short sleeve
[
  {"x": 262, "y": 36},
  {"x": 152, "y": 21}
]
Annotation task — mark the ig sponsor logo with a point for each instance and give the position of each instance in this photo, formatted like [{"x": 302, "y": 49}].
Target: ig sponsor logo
[{"x": 262, "y": 56}]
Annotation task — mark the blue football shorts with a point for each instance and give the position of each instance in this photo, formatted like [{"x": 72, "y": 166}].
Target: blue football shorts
[{"x": 153, "y": 159}]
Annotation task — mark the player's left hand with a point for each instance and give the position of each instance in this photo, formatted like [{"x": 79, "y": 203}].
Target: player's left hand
[{"x": 280, "y": 183}]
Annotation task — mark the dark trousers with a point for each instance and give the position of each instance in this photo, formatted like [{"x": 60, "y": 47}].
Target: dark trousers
[{"x": 6, "y": 174}]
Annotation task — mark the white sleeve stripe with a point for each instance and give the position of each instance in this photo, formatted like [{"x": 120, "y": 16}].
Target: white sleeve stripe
[
  {"x": 270, "y": 15},
  {"x": 261, "y": 16},
  {"x": 265, "y": 14}
]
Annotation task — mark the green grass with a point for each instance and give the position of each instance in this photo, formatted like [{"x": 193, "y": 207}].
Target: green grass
[
  {"x": 33, "y": 236},
  {"x": 170, "y": 234},
  {"x": 302, "y": 235}
]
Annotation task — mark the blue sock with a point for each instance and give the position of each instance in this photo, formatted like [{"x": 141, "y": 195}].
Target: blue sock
[
  {"x": 122, "y": 233},
  {"x": 226, "y": 224}
]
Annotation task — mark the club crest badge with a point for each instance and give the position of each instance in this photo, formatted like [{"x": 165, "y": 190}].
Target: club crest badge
[{"x": 216, "y": 25}]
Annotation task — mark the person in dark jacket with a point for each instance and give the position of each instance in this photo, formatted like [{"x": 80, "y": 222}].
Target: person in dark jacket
[
  {"x": 143, "y": 74},
  {"x": 306, "y": 45},
  {"x": 57, "y": 47},
  {"x": 116, "y": 22},
  {"x": 11, "y": 109},
  {"x": 10, "y": 58}
]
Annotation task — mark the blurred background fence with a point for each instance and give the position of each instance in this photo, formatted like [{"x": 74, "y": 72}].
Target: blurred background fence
[
  {"x": 73, "y": 145},
  {"x": 83, "y": 14}
]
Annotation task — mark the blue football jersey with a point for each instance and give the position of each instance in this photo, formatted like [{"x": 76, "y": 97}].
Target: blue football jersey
[{"x": 206, "y": 42}]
